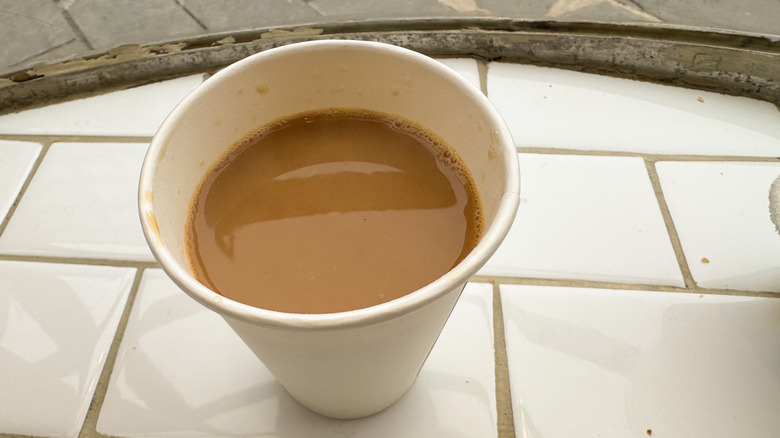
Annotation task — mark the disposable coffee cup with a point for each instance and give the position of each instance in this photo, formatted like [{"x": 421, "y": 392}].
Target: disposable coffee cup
[{"x": 355, "y": 363}]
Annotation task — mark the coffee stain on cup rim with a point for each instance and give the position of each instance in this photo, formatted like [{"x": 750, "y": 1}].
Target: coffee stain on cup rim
[
  {"x": 493, "y": 150},
  {"x": 162, "y": 150},
  {"x": 151, "y": 220},
  {"x": 261, "y": 88}
]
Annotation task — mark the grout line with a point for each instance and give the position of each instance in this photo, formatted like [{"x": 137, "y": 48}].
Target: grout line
[
  {"x": 651, "y": 157},
  {"x": 482, "y": 68},
  {"x": 89, "y": 427},
  {"x": 639, "y": 6},
  {"x": 491, "y": 279},
  {"x": 652, "y": 173},
  {"x": 20, "y": 64},
  {"x": 36, "y": 164},
  {"x": 80, "y": 261},
  {"x": 313, "y": 7},
  {"x": 49, "y": 139},
  {"x": 75, "y": 28},
  {"x": 574, "y": 282},
  {"x": 505, "y": 421},
  {"x": 193, "y": 16},
  {"x": 642, "y": 287},
  {"x": 68, "y": 138},
  {"x": 654, "y": 158},
  {"x": 634, "y": 8}
]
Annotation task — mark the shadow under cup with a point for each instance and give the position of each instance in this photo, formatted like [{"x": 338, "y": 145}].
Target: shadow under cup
[{"x": 356, "y": 363}]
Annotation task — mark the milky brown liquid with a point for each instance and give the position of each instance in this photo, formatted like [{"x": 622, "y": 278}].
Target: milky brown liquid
[{"x": 331, "y": 211}]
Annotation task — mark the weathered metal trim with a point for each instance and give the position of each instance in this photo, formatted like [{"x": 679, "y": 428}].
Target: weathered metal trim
[{"x": 730, "y": 63}]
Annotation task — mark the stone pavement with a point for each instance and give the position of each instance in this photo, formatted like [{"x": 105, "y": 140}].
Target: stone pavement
[{"x": 54, "y": 30}]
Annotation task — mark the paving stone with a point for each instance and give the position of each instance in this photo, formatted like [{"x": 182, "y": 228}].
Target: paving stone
[
  {"x": 521, "y": 8},
  {"x": 231, "y": 15},
  {"x": 609, "y": 12},
  {"x": 760, "y": 16},
  {"x": 72, "y": 49},
  {"x": 382, "y": 8},
  {"x": 32, "y": 27},
  {"x": 107, "y": 23},
  {"x": 40, "y": 29}
]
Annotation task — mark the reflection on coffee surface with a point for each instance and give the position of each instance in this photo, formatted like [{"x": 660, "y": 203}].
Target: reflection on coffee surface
[{"x": 331, "y": 211}]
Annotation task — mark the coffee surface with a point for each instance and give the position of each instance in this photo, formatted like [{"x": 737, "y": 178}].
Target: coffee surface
[{"x": 332, "y": 211}]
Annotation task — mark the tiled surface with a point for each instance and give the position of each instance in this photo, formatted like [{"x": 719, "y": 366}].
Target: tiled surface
[
  {"x": 16, "y": 161},
  {"x": 466, "y": 67},
  {"x": 720, "y": 211},
  {"x": 589, "y": 218},
  {"x": 56, "y": 324},
  {"x": 181, "y": 369},
  {"x": 591, "y": 112},
  {"x": 616, "y": 363},
  {"x": 81, "y": 203},
  {"x": 581, "y": 361},
  {"x": 133, "y": 112}
]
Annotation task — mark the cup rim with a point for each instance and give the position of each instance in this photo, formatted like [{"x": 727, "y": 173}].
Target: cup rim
[{"x": 492, "y": 236}]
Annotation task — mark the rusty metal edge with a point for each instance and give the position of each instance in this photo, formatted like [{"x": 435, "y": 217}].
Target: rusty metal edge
[{"x": 726, "y": 62}]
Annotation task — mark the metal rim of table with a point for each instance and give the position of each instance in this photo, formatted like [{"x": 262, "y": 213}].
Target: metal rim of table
[{"x": 732, "y": 63}]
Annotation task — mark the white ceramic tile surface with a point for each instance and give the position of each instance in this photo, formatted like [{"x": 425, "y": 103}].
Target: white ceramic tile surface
[
  {"x": 16, "y": 161},
  {"x": 56, "y": 326},
  {"x": 467, "y": 68},
  {"x": 137, "y": 112},
  {"x": 554, "y": 108},
  {"x": 181, "y": 371},
  {"x": 606, "y": 363},
  {"x": 721, "y": 213},
  {"x": 587, "y": 217},
  {"x": 81, "y": 203}
]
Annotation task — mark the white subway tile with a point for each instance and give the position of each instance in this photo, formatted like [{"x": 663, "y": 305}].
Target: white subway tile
[
  {"x": 589, "y": 218},
  {"x": 136, "y": 111},
  {"x": 81, "y": 203},
  {"x": 553, "y": 108},
  {"x": 721, "y": 213},
  {"x": 57, "y": 323},
  {"x": 619, "y": 363}
]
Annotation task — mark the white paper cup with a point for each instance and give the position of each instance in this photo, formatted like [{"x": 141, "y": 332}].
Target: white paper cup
[{"x": 348, "y": 364}]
